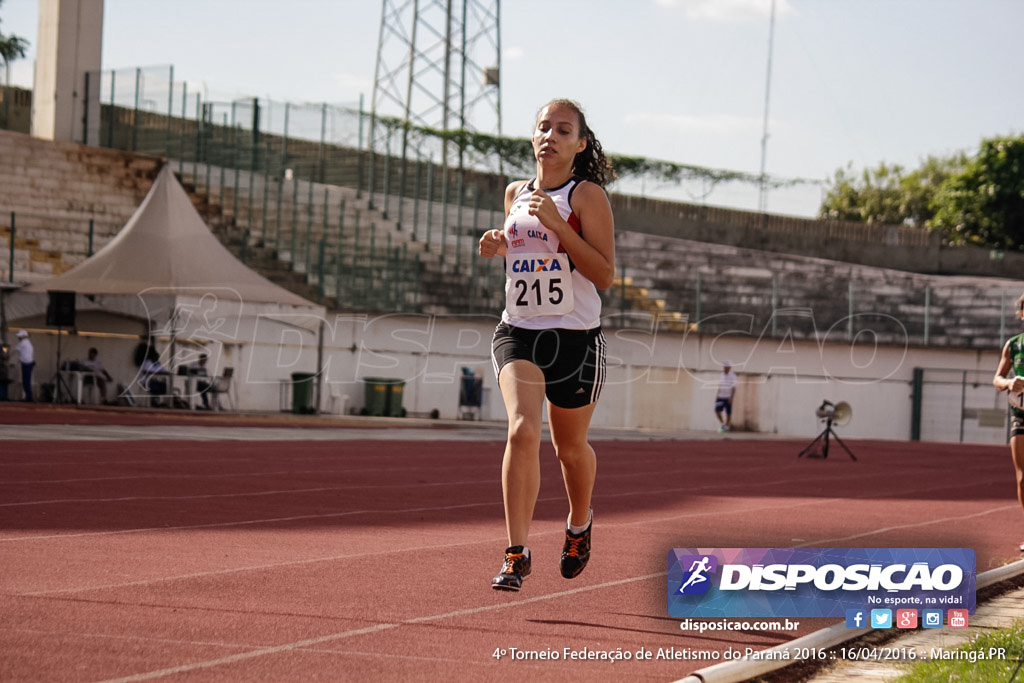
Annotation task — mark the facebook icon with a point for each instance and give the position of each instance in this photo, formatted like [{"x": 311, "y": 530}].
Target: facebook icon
[{"x": 856, "y": 618}]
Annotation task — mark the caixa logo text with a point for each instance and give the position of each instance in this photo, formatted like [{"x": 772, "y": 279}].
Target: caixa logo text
[
  {"x": 535, "y": 265},
  {"x": 831, "y": 577}
]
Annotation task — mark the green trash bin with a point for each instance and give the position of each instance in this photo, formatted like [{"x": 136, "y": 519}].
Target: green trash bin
[
  {"x": 302, "y": 392},
  {"x": 396, "y": 388},
  {"x": 383, "y": 397}
]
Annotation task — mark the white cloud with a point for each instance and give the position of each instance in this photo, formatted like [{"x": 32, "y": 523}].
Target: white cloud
[
  {"x": 729, "y": 10},
  {"x": 513, "y": 53}
]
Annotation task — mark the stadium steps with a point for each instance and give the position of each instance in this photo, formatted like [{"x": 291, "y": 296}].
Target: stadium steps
[
  {"x": 365, "y": 245},
  {"x": 629, "y": 304},
  {"x": 53, "y": 190}
]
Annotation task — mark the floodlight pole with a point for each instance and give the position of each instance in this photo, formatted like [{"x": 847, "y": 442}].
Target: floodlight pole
[{"x": 762, "y": 201}]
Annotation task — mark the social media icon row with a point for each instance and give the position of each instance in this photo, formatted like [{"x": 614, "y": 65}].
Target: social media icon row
[{"x": 904, "y": 618}]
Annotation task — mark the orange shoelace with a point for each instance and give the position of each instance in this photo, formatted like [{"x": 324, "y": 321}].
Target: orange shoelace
[
  {"x": 510, "y": 563},
  {"x": 574, "y": 546}
]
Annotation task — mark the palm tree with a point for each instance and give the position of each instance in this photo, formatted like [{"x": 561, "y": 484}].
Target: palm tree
[{"x": 11, "y": 48}]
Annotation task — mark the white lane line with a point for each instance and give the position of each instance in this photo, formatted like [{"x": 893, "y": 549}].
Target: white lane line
[
  {"x": 646, "y": 522},
  {"x": 250, "y": 522},
  {"x": 262, "y": 567},
  {"x": 310, "y": 642},
  {"x": 56, "y": 433},
  {"x": 287, "y": 647},
  {"x": 668, "y": 473},
  {"x": 247, "y": 494},
  {"x": 882, "y": 530},
  {"x": 277, "y": 520},
  {"x": 233, "y": 646},
  {"x": 238, "y": 475},
  {"x": 333, "y": 515},
  {"x": 334, "y": 558}
]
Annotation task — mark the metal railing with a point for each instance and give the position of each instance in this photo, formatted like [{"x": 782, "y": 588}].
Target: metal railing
[{"x": 301, "y": 183}]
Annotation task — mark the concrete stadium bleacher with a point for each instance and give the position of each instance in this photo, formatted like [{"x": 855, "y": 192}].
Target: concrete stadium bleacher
[
  {"x": 725, "y": 289},
  {"x": 335, "y": 245},
  {"x": 54, "y": 190},
  {"x": 357, "y": 245}
]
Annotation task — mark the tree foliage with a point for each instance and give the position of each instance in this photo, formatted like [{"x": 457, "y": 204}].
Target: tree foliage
[
  {"x": 517, "y": 153},
  {"x": 11, "y": 47},
  {"x": 984, "y": 204},
  {"x": 975, "y": 199},
  {"x": 887, "y": 194}
]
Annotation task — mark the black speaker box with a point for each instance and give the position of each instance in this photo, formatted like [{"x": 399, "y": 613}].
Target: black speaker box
[{"x": 61, "y": 310}]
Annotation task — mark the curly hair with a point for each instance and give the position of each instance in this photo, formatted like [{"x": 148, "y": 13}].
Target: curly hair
[{"x": 590, "y": 164}]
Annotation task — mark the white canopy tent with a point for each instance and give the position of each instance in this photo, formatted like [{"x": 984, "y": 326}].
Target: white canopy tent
[{"x": 169, "y": 273}]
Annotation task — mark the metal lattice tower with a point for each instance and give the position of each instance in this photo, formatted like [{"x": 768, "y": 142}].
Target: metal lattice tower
[{"x": 438, "y": 67}]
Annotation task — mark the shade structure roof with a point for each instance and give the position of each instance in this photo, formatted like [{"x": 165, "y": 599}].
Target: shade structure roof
[{"x": 166, "y": 245}]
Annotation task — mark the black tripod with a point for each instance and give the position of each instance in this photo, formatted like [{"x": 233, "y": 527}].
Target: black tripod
[
  {"x": 61, "y": 391},
  {"x": 823, "y": 439}
]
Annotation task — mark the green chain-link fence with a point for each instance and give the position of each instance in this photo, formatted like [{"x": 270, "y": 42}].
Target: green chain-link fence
[{"x": 370, "y": 229}]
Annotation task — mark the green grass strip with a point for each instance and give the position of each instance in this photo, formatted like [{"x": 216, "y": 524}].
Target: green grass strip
[{"x": 996, "y": 657}]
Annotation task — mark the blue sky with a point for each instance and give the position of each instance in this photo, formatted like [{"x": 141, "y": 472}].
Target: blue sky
[{"x": 853, "y": 81}]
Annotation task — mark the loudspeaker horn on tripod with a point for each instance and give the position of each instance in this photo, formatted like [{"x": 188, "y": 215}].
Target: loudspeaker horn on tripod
[
  {"x": 836, "y": 414},
  {"x": 840, "y": 413}
]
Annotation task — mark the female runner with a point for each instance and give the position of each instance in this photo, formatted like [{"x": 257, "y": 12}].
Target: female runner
[{"x": 559, "y": 247}]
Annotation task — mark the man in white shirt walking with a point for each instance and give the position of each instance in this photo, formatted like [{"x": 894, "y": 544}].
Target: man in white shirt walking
[
  {"x": 27, "y": 356},
  {"x": 723, "y": 400}
]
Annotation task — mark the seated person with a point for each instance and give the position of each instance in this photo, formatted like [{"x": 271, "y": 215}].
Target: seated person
[
  {"x": 99, "y": 375},
  {"x": 151, "y": 377},
  {"x": 198, "y": 369}
]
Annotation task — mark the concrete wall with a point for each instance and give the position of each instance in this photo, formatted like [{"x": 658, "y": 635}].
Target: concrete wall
[
  {"x": 656, "y": 380},
  {"x": 69, "y": 46}
]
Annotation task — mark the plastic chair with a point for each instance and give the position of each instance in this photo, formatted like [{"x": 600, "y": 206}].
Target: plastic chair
[
  {"x": 222, "y": 385},
  {"x": 337, "y": 402}
]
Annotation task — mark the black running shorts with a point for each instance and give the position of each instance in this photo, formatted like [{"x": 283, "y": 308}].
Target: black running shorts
[
  {"x": 573, "y": 361},
  {"x": 1016, "y": 423}
]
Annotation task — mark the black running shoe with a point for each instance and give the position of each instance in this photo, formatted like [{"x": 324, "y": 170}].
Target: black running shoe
[
  {"x": 513, "y": 571},
  {"x": 576, "y": 551}
]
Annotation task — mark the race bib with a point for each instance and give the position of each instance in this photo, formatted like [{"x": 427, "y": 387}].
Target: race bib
[
  {"x": 1016, "y": 400},
  {"x": 538, "y": 284}
]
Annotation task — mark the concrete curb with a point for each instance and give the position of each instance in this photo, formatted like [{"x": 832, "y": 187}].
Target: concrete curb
[{"x": 738, "y": 671}]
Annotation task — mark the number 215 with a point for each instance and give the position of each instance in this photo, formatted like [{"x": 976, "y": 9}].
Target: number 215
[{"x": 554, "y": 291}]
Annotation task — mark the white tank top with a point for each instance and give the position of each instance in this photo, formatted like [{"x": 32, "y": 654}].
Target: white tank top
[{"x": 542, "y": 288}]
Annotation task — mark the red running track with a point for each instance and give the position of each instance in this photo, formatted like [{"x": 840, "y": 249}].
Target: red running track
[{"x": 372, "y": 560}]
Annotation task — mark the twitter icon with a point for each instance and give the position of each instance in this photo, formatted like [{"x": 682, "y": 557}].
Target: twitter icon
[{"x": 881, "y": 618}]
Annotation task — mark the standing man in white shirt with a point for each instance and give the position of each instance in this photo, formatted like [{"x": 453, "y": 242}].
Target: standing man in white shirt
[
  {"x": 27, "y": 356},
  {"x": 723, "y": 400}
]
